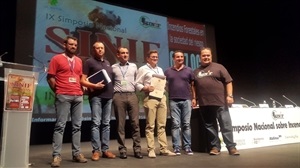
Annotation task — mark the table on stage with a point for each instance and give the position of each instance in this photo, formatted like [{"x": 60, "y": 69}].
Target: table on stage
[{"x": 252, "y": 128}]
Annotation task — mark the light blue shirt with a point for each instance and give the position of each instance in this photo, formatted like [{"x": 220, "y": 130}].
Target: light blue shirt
[{"x": 124, "y": 77}]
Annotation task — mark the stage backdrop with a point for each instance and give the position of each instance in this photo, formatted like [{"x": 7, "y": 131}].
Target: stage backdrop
[{"x": 43, "y": 25}]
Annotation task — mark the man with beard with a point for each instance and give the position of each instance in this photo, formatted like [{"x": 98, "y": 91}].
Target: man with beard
[
  {"x": 63, "y": 77},
  {"x": 214, "y": 92}
]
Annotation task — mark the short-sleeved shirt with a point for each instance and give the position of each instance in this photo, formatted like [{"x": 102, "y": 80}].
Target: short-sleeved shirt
[
  {"x": 179, "y": 82},
  {"x": 210, "y": 83},
  {"x": 67, "y": 74},
  {"x": 93, "y": 65}
]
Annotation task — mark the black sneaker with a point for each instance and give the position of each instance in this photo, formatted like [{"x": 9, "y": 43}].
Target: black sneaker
[
  {"x": 189, "y": 151},
  {"x": 177, "y": 152}
]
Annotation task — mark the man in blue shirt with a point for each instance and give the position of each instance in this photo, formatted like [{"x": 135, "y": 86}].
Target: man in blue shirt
[{"x": 180, "y": 80}]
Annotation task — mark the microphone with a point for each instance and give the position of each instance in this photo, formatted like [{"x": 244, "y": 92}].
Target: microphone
[
  {"x": 254, "y": 105},
  {"x": 276, "y": 102},
  {"x": 290, "y": 100},
  {"x": 44, "y": 65},
  {"x": 1, "y": 64},
  {"x": 3, "y": 54}
]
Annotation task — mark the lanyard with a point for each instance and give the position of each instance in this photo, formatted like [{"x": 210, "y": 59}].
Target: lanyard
[
  {"x": 72, "y": 64},
  {"x": 124, "y": 72},
  {"x": 157, "y": 72}
]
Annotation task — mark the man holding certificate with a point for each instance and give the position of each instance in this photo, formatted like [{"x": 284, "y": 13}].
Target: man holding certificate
[{"x": 151, "y": 80}]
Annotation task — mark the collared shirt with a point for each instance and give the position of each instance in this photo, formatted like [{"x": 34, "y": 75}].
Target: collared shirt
[
  {"x": 179, "y": 82},
  {"x": 59, "y": 67},
  {"x": 124, "y": 77},
  {"x": 144, "y": 75},
  {"x": 93, "y": 65}
]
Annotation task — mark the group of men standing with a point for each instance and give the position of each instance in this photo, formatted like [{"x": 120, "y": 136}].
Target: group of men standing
[{"x": 209, "y": 86}]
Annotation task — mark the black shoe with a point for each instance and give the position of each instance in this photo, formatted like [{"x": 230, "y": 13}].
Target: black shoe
[
  {"x": 123, "y": 155},
  {"x": 138, "y": 155}
]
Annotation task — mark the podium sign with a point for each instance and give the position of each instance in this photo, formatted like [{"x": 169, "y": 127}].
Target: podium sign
[
  {"x": 19, "y": 87},
  {"x": 19, "y": 93}
]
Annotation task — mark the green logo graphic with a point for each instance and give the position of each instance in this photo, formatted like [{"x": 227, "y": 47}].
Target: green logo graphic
[{"x": 53, "y": 2}]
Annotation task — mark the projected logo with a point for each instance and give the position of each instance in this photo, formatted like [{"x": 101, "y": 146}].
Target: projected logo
[
  {"x": 103, "y": 19},
  {"x": 145, "y": 22},
  {"x": 53, "y": 2}
]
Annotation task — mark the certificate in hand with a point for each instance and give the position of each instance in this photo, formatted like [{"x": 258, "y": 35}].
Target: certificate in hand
[
  {"x": 99, "y": 76},
  {"x": 159, "y": 83}
]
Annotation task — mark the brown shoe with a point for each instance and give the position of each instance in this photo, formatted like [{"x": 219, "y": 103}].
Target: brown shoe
[
  {"x": 79, "y": 158},
  {"x": 233, "y": 151},
  {"x": 56, "y": 161},
  {"x": 96, "y": 156},
  {"x": 108, "y": 154},
  {"x": 167, "y": 153},
  {"x": 214, "y": 151}
]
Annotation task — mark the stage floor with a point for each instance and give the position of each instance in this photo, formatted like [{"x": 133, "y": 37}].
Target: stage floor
[{"x": 280, "y": 156}]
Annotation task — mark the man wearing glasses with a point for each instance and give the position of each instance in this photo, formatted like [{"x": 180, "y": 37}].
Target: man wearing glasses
[{"x": 155, "y": 108}]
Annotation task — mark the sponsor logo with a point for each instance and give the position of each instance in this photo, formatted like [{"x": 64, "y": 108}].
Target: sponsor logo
[
  {"x": 240, "y": 142},
  {"x": 147, "y": 23},
  {"x": 292, "y": 137},
  {"x": 277, "y": 115},
  {"x": 202, "y": 74},
  {"x": 53, "y": 2},
  {"x": 275, "y": 138},
  {"x": 258, "y": 140}
]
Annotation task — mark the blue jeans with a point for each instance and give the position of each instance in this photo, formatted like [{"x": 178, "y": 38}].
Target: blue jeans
[
  {"x": 65, "y": 105},
  {"x": 212, "y": 116},
  {"x": 181, "y": 111},
  {"x": 101, "y": 113}
]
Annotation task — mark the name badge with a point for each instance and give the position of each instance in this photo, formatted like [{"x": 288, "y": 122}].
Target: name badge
[
  {"x": 123, "y": 83},
  {"x": 72, "y": 79}
]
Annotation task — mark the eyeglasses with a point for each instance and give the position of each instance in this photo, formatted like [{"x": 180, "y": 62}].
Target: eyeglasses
[{"x": 154, "y": 57}]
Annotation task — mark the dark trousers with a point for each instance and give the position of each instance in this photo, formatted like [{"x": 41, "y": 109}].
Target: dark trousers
[
  {"x": 127, "y": 103},
  {"x": 214, "y": 116}
]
